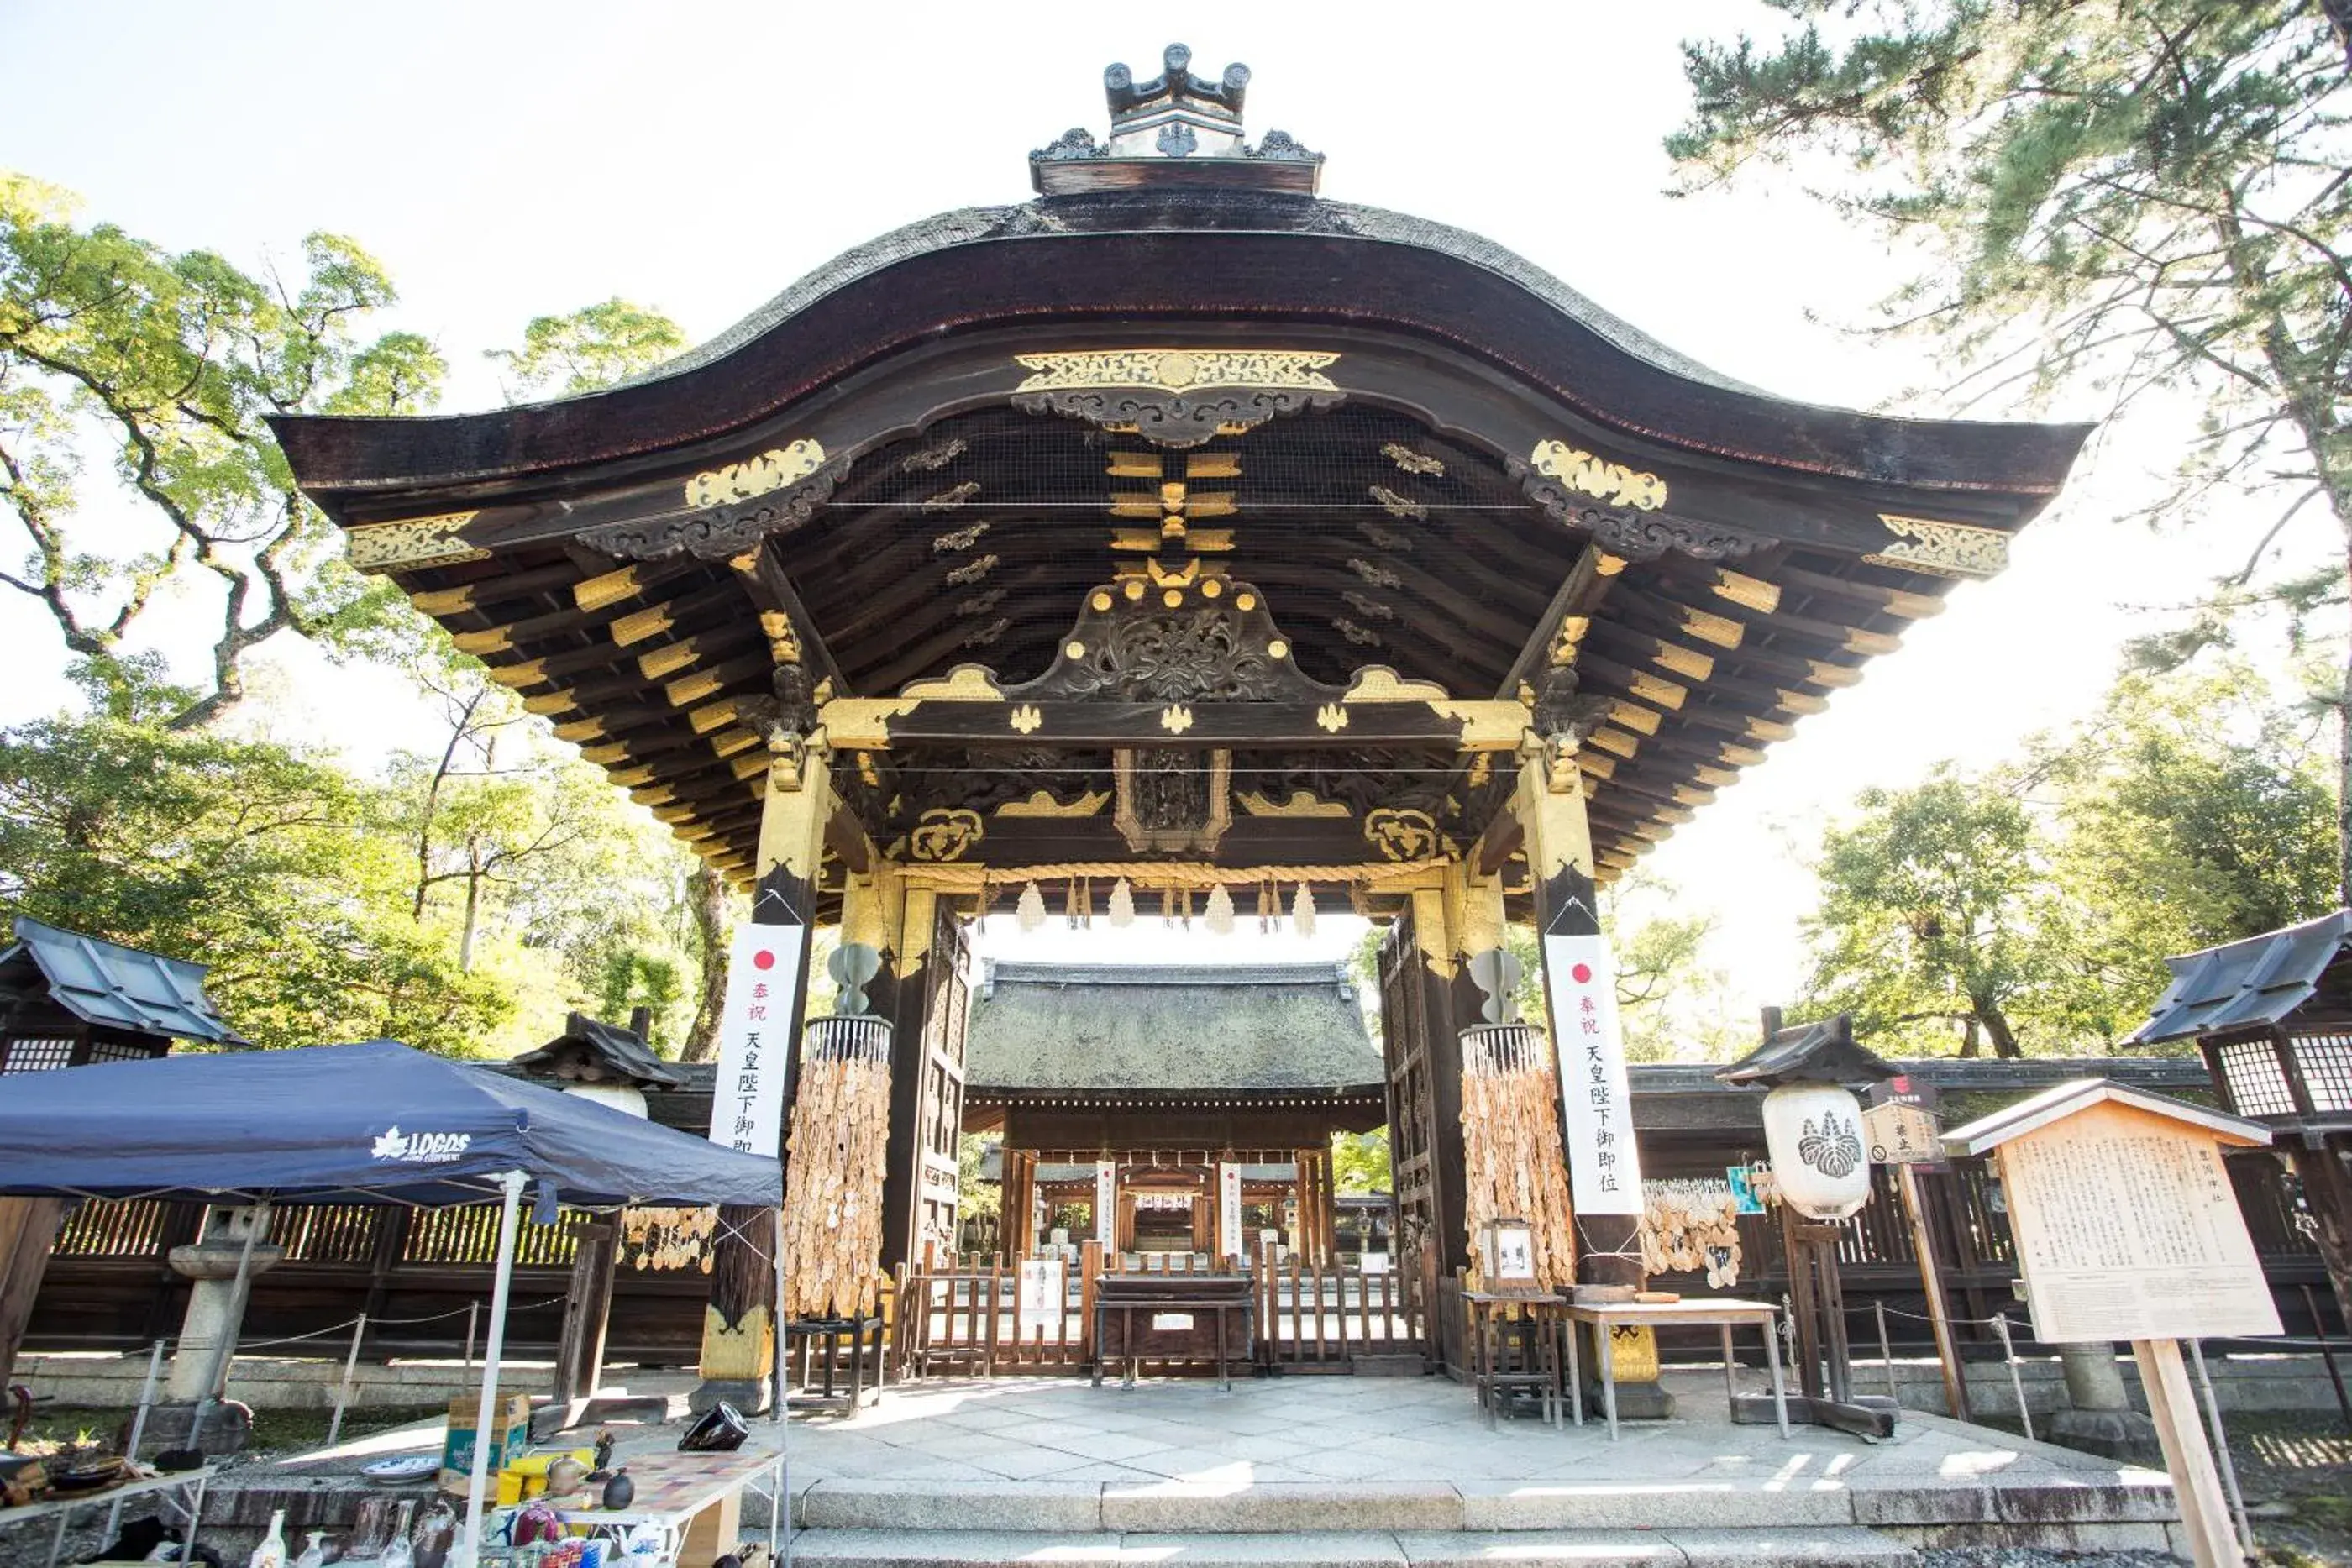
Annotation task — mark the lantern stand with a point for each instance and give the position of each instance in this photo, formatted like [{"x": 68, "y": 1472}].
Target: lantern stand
[{"x": 1812, "y": 1127}]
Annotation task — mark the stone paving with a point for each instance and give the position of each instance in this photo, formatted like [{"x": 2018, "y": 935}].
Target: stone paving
[{"x": 1360, "y": 1430}]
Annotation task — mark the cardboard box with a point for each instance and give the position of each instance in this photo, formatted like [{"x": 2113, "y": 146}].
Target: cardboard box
[{"x": 509, "y": 1436}]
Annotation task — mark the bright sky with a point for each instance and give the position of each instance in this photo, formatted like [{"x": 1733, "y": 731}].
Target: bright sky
[{"x": 507, "y": 161}]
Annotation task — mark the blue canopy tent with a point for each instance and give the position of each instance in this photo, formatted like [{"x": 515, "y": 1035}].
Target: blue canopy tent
[{"x": 373, "y": 1122}]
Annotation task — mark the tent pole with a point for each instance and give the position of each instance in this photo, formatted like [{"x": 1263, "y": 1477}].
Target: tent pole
[
  {"x": 776, "y": 1326},
  {"x": 240, "y": 1291},
  {"x": 469, "y": 1552}
]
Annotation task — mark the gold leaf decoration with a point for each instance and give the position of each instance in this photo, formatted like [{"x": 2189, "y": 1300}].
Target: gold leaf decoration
[
  {"x": 1178, "y": 370},
  {"x": 411, "y": 541},
  {"x": 770, "y": 470},
  {"x": 1597, "y": 476}
]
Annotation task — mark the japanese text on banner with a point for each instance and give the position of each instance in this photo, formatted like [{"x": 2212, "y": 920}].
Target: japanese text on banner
[
  {"x": 1229, "y": 1210},
  {"x": 747, "y": 1097},
  {"x": 1604, "y": 1170}
]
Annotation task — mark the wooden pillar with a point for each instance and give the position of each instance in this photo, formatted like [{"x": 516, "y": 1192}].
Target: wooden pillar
[
  {"x": 1433, "y": 938},
  {"x": 2328, "y": 1193},
  {"x": 1019, "y": 1203},
  {"x": 587, "y": 1310},
  {"x": 1326, "y": 1211},
  {"x": 876, "y": 909},
  {"x": 738, "y": 1324},
  {"x": 28, "y": 1229},
  {"x": 1551, "y": 806}
]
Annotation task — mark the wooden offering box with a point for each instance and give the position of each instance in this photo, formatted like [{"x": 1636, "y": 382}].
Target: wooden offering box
[{"x": 1172, "y": 1317}]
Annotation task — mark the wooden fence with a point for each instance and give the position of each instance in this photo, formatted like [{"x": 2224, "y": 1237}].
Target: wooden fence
[
  {"x": 416, "y": 1273},
  {"x": 962, "y": 1317}
]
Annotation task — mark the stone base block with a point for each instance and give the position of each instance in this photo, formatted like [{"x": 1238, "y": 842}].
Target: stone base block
[
  {"x": 747, "y": 1395},
  {"x": 1635, "y": 1401},
  {"x": 228, "y": 1428},
  {"x": 2112, "y": 1434}
]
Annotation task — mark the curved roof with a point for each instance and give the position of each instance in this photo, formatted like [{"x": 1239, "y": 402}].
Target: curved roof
[
  {"x": 1119, "y": 256},
  {"x": 1162, "y": 1027},
  {"x": 1444, "y": 467}
]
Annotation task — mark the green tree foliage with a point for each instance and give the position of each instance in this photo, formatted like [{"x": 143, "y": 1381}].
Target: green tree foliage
[
  {"x": 267, "y": 863},
  {"x": 1938, "y": 914},
  {"x": 2115, "y": 199},
  {"x": 169, "y": 363},
  {"x": 1359, "y": 1163},
  {"x": 592, "y": 348},
  {"x": 2191, "y": 810},
  {"x": 2033, "y": 908},
  {"x": 463, "y": 898}
]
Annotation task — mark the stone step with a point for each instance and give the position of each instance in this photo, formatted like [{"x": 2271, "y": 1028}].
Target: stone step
[
  {"x": 2042, "y": 1508},
  {"x": 1846, "y": 1546}
]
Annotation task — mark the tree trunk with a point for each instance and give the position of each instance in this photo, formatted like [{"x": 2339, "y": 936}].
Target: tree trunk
[
  {"x": 711, "y": 911},
  {"x": 1970, "y": 1036},
  {"x": 473, "y": 906},
  {"x": 1996, "y": 1026},
  {"x": 2344, "y": 758}
]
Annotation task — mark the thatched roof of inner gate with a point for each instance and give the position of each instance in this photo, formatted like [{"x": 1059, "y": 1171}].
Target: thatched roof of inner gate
[{"x": 1161, "y": 1027}]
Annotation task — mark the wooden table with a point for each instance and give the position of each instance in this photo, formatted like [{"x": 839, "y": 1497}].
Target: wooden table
[
  {"x": 63, "y": 1506},
  {"x": 827, "y": 1333},
  {"x": 696, "y": 1500},
  {"x": 1723, "y": 1313},
  {"x": 1119, "y": 1296},
  {"x": 1488, "y": 1313}
]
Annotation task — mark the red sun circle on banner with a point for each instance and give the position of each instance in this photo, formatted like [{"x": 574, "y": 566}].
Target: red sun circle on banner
[
  {"x": 1583, "y": 973},
  {"x": 763, "y": 959}
]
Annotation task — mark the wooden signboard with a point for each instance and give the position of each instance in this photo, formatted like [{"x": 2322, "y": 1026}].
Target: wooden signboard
[
  {"x": 1901, "y": 1134},
  {"x": 2128, "y": 1228},
  {"x": 1042, "y": 1296}
]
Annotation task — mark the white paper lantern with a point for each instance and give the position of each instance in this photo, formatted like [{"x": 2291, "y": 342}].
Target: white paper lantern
[{"x": 1819, "y": 1159}]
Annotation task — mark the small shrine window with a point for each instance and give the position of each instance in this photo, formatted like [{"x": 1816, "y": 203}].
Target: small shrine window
[
  {"x": 2326, "y": 1063},
  {"x": 2258, "y": 1086},
  {"x": 35, "y": 1055}
]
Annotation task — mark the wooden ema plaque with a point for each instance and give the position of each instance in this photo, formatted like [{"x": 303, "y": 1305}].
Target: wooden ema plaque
[{"x": 2128, "y": 1228}]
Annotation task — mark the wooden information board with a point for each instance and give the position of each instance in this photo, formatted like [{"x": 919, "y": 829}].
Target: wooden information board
[{"x": 2128, "y": 1228}]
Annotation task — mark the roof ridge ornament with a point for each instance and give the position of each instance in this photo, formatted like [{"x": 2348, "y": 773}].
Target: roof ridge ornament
[{"x": 1178, "y": 129}]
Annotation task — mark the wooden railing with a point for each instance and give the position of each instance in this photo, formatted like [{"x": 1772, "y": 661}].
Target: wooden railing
[
  {"x": 108, "y": 1287},
  {"x": 1323, "y": 1318},
  {"x": 961, "y": 1317}
]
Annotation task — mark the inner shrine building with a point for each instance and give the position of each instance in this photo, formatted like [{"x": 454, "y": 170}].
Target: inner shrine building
[{"x": 1181, "y": 538}]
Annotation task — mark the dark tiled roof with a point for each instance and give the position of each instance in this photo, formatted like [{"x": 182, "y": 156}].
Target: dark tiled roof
[
  {"x": 1822, "y": 1052},
  {"x": 2259, "y": 980},
  {"x": 1160, "y": 1027},
  {"x": 116, "y": 986},
  {"x": 623, "y": 1055}
]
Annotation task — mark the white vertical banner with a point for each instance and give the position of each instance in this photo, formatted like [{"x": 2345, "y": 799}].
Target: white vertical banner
[
  {"x": 747, "y": 1096},
  {"x": 1107, "y": 1204},
  {"x": 1229, "y": 1209},
  {"x": 1042, "y": 1296},
  {"x": 1604, "y": 1172}
]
